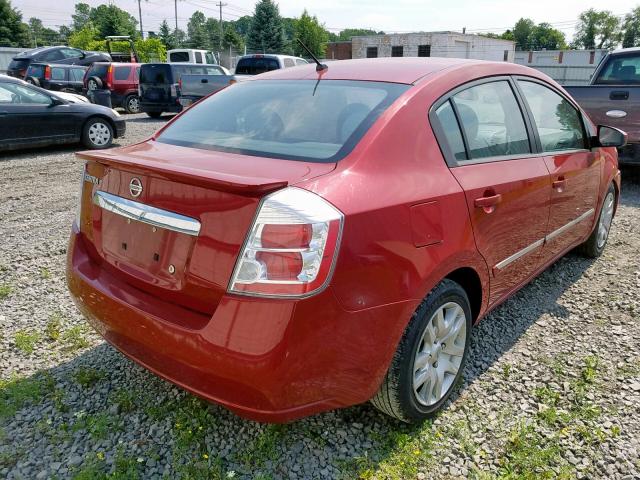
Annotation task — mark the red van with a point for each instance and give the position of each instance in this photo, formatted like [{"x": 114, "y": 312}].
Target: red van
[
  {"x": 121, "y": 79},
  {"x": 318, "y": 237}
]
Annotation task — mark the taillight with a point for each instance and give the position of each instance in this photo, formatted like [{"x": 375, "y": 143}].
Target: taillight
[
  {"x": 174, "y": 89},
  {"x": 109, "y": 76},
  {"x": 47, "y": 72},
  {"x": 291, "y": 248}
]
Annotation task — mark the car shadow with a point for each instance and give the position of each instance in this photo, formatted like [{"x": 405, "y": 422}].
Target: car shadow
[
  {"x": 371, "y": 436},
  {"x": 33, "y": 153},
  {"x": 630, "y": 182}
]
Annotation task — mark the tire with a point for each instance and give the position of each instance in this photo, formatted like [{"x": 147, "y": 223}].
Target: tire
[
  {"x": 154, "y": 114},
  {"x": 396, "y": 396},
  {"x": 132, "y": 104},
  {"x": 97, "y": 134},
  {"x": 94, "y": 83},
  {"x": 33, "y": 81},
  {"x": 594, "y": 246}
]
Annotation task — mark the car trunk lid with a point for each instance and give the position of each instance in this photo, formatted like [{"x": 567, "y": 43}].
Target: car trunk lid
[{"x": 180, "y": 236}]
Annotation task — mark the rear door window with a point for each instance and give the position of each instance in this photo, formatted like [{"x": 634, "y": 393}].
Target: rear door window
[
  {"x": 121, "y": 73},
  {"x": 294, "y": 119},
  {"x": 256, "y": 65},
  {"x": 58, "y": 73},
  {"x": 621, "y": 69},
  {"x": 301, "y": 61},
  {"x": 491, "y": 120},
  {"x": 157, "y": 73},
  {"x": 288, "y": 62},
  {"x": 179, "y": 57},
  {"x": 451, "y": 129},
  {"x": 209, "y": 58},
  {"x": 198, "y": 56},
  {"x": 52, "y": 56},
  {"x": 98, "y": 70},
  {"x": 71, "y": 53},
  {"x": 558, "y": 123},
  {"x": 76, "y": 74}
]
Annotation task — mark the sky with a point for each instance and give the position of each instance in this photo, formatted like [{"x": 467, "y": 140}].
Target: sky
[{"x": 479, "y": 16}]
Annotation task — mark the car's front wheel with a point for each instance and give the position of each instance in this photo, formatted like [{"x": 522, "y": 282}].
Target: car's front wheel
[
  {"x": 97, "y": 134},
  {"x": 430, "y": 357},
  {"x": 132, "y": 104}
]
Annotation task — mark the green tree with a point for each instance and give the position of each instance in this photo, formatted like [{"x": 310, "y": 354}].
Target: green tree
[
  {"x": 310, "y": 32},
  {"x": 232, "y": 39},
  {"x": 81, "y": 16},
  {"x": 544, "y": 36},
  {"x": 83, "y": 37},
  {"x": 523, "y": 32},
  {"x": 347, "y": 33},
  {"x": 242, "y": 25},
  {"x": 13, "y": 32},
  {"x": 631, "y": 29},
  {"x": 266, "y": 33},
  {"x": 212, "y": 34},
  {"x": 597, "y": 29},
  {"x": 111, "y": 20},
  {"x": 165, "y": 35},
  {"x": 149, "y": 49},
  {"x": 196, "y": 30},
  {"x": 41, "y": 35}
]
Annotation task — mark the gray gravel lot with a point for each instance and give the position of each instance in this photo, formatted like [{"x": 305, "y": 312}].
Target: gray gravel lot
[{"x": 552, "y": 388}]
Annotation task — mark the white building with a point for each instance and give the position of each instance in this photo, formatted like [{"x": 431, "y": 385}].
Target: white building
[
  {"x": 433, "y": 44},
  {"x": 567, "y": 67}
]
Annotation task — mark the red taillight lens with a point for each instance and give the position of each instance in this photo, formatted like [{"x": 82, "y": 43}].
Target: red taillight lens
[
  {"x": 109, "y": 76},
  {"x": 47, "y": 72},
  {"x": 291, "y": 247}
]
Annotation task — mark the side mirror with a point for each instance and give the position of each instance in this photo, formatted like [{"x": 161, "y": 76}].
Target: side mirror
[
  {"x": 611, "y": 137},
  {"x": 56, "y": 101}
]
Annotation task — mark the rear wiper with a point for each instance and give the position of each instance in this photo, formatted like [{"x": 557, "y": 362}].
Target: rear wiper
[{"x": 319, "y": 66}]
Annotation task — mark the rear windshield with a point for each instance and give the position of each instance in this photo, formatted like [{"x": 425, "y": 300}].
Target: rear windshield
[
  {"x": 255, "y": 66},
  {"x": 19, "y": 64},
  {"x": 288, "y": 119},
  {"x": 163, "y": 73},
  {"x": 35, "y": 71},
  {"x": 621, "y": 69},
  {"x": 179, "y": 57},
  {"x": 99, "y": 71}
]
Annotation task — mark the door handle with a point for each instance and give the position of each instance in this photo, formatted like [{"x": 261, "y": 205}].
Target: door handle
[
  {"x": 619, "y": 95},
  {"x": 488, "y": 203},
  {"x": 560, "y": 184}
]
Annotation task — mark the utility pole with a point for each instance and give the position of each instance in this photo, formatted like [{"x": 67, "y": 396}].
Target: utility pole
[
  {"x": 140, "y": 15},
  {"x": 221, "y": 4},
  {"x": 175, "y": 3}
]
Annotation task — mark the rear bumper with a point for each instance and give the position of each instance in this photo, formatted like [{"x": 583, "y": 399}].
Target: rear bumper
[
  {"x": 160, "y": 107},
  {"x": 265, "y": 359}
]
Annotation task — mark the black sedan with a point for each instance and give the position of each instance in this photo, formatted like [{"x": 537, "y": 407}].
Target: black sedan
[
  {"x": 33, "y": 117},
  {"x": 60, "y": 55}
]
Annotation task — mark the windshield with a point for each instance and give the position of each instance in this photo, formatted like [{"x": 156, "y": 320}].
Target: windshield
[
  {"x": 288, "y": 119},
  {"x": 255, "y": 66}
]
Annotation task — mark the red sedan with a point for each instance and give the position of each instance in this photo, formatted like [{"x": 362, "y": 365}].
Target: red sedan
[{"x": 310, "y": 240}]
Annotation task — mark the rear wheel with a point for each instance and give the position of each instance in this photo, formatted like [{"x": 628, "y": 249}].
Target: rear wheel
[
  {"x": 94, "y": 83},
  {"x": 132, "y": 104},
  {"x": 154, "y": 114},
  {"x": 430, "y": 357},
  {"x": 594, "y": 246},
  {"x": 97, "y": 134}
]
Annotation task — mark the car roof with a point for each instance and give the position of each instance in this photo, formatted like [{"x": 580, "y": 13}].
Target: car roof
[
  {"x": 61, "y": 65},
  {"x": 9, "y": 79},
  {"x": 268, "y": 55},
  {"x": 622, "y": 51},
  {"x": 37, "y": 50},
  {"x": 117, "y": 64},
  {"x": 407, "y": 70}
]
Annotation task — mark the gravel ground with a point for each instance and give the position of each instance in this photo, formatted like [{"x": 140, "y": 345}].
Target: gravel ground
[{"x": 552, "y": 388}]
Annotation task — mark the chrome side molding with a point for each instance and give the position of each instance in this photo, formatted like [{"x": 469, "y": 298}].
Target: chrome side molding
[
  {"x": 146, "y": 213},
  {"x": 539, "y": 243}
]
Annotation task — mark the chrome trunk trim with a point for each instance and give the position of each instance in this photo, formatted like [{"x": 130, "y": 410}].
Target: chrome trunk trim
[{"x": 147, "y": 214}]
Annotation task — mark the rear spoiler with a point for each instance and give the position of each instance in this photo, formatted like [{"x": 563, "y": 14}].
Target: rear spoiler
[{"x": 243, "y": 185}]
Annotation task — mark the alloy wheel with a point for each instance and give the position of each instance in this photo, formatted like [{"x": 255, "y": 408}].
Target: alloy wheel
[
  {"x": 606, "y": 218},
  {"x": 99, "y": 134},
  {"x": 133, "y": 105},
  {"x": 439, "y": 354}
]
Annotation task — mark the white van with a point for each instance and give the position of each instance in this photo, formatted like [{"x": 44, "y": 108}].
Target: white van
[{"x": 191, "y": 55}]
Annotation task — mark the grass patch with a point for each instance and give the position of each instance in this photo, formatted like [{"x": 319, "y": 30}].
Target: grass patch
[
  {"x": 53, "y": 329},
  {"x": 264, "y": 446},
  {"x": 87, "y": 377},
  {"x": 26, "y": 340},
  {"x": 5, "y": 290},
  {"x": 125, "y": 399},
  {"x": 74, "y": 339},
  {"x": 45, "y": 273},
  {"x": 17, "y": 392},
  {"x": 124, "y": 468},
  {"x": 98, "y": 425}
]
